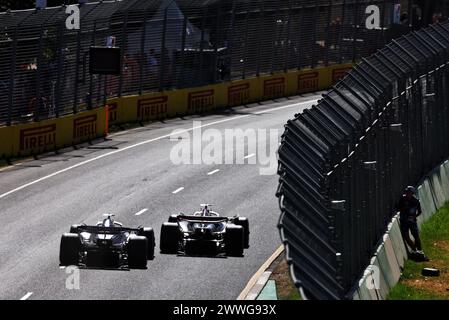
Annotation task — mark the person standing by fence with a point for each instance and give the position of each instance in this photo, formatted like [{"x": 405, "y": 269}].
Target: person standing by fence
[{"x": 410, "y": 209}]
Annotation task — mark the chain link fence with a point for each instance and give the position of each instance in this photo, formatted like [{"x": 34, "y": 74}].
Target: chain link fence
[
  {"x": 170, "y": 44},
  {"x": 345, "y": 162}
]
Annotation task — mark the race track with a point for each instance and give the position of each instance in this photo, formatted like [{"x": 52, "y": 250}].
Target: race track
[{"x": 125, "y": 175}]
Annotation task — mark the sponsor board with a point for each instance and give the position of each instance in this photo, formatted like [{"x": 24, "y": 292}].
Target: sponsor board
[
  {"x": 274, "y": 88},
  {"x": 339, "y": 73},
  {"x": 238, "y": 94},
  {"x": 152, "y": 108},
  {"x": 308, "y": 82},
  {"x": 85, "y": 127},
  {"x": 201, "y": 101},
  {"x": 38, "y": 138},
  {"x": 113, "y": 110}
]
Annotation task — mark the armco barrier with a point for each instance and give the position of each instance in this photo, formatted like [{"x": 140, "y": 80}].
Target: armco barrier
[
  {"x": 50, "y": 135},
  {"x": 344, "y": 163},
  {"x": 389, "y": 253}
]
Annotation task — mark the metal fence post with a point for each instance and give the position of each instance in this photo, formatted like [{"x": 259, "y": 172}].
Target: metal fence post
[
  {"x": 326, "y": 45},
  {"x": 275, "y": 42},
  {"x": 231, "y": 40},
  {"x": 57, "y": 91},
  {"x": 245, "y": 48},
  {"x": 314, "y": 37},
  {"x": 259, "y": 37},
  {"x": 301, "y": 15},
  {"x": 40, "y": 64},
  {"x": 183, "y": 48},
  {"x": 122, "y": 58},
  {"x": 12, "y": 78},
  {"x": 355, "y": 31},
  {"x": 142, "y": 51},
  {"x": 162, "y": 62},
  {"x": 203, "y": 24},
  {"x": 341, "y": 32},
  {"x": 91, "y": 77},
  {"x": 216, "y": 44},
  {"x": 287, "y": 47}
]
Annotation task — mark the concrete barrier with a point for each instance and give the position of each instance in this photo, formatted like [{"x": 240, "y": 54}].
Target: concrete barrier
[
  {"x": 394, "y": 270},
  {"x": 426, "y": 197},
  {"x": 391, "y": 255},
  {"x": 48, "y": 135},
  {"x": 381, "y": 263},
  {"x": 437, "y": 189},
  {"x": 444, "y": 174},
  {"x": 397, "y": 242}
]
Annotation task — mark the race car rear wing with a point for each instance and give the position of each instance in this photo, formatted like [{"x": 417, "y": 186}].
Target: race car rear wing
[
  {"x": 203, "y": 219},
  {"x": 105, "y": 230}
]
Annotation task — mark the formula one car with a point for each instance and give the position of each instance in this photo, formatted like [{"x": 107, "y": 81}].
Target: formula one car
[
  {"x": 205, "y": 232},
  {"x": 107, "y": 245}
]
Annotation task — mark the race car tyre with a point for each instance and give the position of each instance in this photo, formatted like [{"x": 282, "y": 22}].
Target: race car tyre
[
  {"x": 69, "y": 249},
  {"x": 137, "y": 252},
  {"x": 234, "y": 240},
  {"x": 242, "y": 221},
  {"x": 173, "y": 218},
  {"x": 149, "y": 234},
  {"x": 169, "y": 237},
  {"x": 74, "y": 228}
]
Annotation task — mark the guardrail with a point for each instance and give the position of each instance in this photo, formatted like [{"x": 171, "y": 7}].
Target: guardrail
[
  {"x": 173, "y": 45},
  {"x": 345, "y": 162}
]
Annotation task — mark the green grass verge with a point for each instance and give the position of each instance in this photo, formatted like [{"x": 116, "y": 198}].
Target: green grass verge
[{"x": 435, "y": 240}]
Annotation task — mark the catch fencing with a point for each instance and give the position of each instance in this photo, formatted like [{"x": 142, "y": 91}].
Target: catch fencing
[
  {"x": 345, "y": 162},
  {"x": 173, "y": 44}
]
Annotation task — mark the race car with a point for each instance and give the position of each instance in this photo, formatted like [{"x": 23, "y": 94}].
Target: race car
[
  {"x": 205, "y": 232},
  {"x": 107, "y": 245}
]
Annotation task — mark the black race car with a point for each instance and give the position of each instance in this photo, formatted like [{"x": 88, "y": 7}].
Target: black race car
[
  {"x": 107, "y": 245},
  {"x": 205, "y": 233}
]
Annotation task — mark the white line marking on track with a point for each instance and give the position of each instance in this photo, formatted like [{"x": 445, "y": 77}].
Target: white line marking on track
[
  {"x": 149, "y": 141},
  {"x": 250, "y": 156},
  {"x": 141, "y": 211},
  {"x": 213, "y": 172},
  {"x": 178, "y": 190},
  {"x": 25, "y": 297}
]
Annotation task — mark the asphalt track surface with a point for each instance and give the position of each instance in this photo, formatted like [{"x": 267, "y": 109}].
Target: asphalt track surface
[{"x": 131, "y": 172}]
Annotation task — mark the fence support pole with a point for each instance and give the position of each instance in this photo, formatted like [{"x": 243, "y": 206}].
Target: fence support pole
[
  {"x": 40, "y": 64},
  {"x": 122, "y": 58},
  {"x": 164, "y": 34},
  {"x": 288, "y": 45},
  {"x": 12, "y": 78},
  {"x": 259, "y": 37},
  {"x": 142, "y": 52},
  {"x": 231, "y": 41}
]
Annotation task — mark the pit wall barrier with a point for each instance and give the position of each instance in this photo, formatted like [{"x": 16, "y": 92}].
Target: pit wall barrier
[
  {"x": 386, "y": 265},
  {"x": 53, "y": 134},
  {"x": 175, "y": 103},
  {"x": 49, "y": 135}
]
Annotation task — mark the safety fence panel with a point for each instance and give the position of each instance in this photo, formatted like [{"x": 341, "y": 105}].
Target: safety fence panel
[
  {"x": 345, "y": 162},
  {"x": 173, "y": 44}
]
